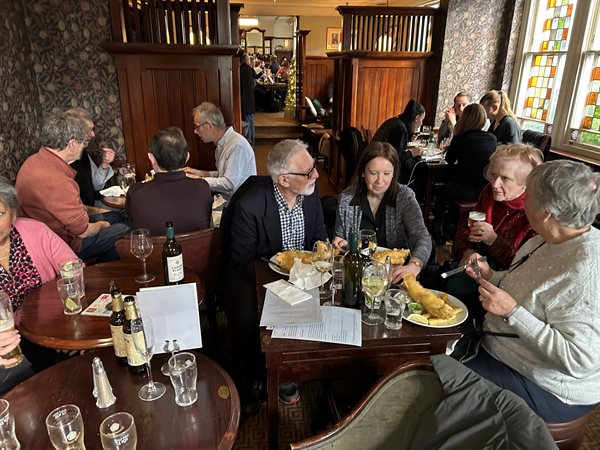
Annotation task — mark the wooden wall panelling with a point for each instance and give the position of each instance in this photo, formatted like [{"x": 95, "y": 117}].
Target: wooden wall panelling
[{"x": 317, "y": 77}]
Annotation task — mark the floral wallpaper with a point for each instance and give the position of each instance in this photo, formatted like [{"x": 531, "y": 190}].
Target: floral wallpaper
[
  {"x": 479, "y": 48},
  {"x": 61, "y": 65}
]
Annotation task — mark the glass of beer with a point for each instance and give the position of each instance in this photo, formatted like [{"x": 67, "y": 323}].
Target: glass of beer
[
  {"x": 118, "y": 432},
  {"x": 8, "y": 438},
  {"x": 475, "y": 216},
  {"x": 7, "y": 323},
  {"x": 65, "y": 428}
]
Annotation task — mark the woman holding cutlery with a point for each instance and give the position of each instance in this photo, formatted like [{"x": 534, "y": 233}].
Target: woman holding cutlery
[
  {"x": 548, "y": 298},
  {"x": 376, "y": 201}
]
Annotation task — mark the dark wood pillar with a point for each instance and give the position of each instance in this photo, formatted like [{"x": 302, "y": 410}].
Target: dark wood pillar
[{"x": 300, "y": 65}]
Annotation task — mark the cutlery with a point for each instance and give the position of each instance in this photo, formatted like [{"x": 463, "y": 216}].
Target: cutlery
[{"x": 462, "y": 268}]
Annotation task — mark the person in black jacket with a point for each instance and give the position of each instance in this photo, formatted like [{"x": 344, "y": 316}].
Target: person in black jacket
[
  {"x": 503, "y": 123},
  {"x": 468, "y": 155},
  {"x": 247, "y": 84}
]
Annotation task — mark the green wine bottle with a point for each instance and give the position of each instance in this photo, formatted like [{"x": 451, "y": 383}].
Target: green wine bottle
[
  {"x": 353, "y": 266},
  {"x": 172, "y": 257}
]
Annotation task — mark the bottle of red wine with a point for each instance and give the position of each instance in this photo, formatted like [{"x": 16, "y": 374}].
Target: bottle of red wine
[
  {"x": 135, "y": 360},
  {"x": 117, "y": 320},
  {"x": 172, "y": 257}
]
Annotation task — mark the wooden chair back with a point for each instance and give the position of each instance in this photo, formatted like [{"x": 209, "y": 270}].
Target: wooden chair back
[{"x": 201, "y": 254}]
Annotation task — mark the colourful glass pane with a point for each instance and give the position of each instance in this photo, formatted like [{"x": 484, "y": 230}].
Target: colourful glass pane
[
  {"x": 541, "y": 81},
  {"x": 555, "y": 28},
  {"x": 591, "y": 112}
]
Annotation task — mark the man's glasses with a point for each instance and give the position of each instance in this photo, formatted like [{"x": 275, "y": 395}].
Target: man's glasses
[
  {"x": 307, "y": 174},
  {"x": 197, "y": 127}
]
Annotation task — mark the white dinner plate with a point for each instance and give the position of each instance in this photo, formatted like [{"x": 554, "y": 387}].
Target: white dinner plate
[
  {"x": 460, "y": 317},
  {"x": 275, "y": 268}
]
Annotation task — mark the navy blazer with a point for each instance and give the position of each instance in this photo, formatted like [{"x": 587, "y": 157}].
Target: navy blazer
[{"x": 256, "y": 228}]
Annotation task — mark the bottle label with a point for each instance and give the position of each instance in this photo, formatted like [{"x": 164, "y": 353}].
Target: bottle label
[
  {"x": 174, "y": 268},
  {"x": 134, "y": 357},
  {"x": 118, "y": 338}
]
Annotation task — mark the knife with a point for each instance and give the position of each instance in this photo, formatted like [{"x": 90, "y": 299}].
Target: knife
[{"x": 460, "y": 268}]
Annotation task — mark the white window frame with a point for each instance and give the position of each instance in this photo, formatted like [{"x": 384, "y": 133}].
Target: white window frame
[{"x": 561, "y": 136}]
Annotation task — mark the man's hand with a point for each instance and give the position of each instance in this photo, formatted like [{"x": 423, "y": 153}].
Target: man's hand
[
  {"x": 93, "y": 228},
  {"x": 91, "y": 210},
  {"x": 450, "y": 116},
  {"x": 482, "y": 232},
  {"x": 108, "y": 156},
  {"x": 196, "y": 172},
  {"x": 8, "y": 341}
]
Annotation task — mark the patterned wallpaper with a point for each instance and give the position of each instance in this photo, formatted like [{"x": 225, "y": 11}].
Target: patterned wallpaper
[
  {"x": 61, "y": 66},
  {"x": 479, "y": 48}
]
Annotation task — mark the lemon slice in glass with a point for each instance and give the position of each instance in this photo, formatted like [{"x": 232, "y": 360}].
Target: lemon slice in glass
[
  {"x": 418, "y": 318},
  {"x": 70, "y": 304}
]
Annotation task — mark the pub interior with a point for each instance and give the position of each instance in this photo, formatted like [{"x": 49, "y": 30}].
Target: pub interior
[{"x": 261, "y": 127}]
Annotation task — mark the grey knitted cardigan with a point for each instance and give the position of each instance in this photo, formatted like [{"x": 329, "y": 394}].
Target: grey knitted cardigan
[{"x": 404, "y": 225}]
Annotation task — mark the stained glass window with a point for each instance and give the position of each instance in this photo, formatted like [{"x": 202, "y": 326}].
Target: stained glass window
[
  {"x": 556, "y": 25},
  {"x": 540, "y": 85},
  {"x": 591, "y": 115}
]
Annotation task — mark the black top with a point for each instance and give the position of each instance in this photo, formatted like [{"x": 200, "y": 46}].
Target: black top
[
  {"x": 369, "y": 221},
  {"x": 247, "y": 84},
  {"x": 395, "y": 132},
  {"x": 83, "y": 177},
  {"x": 508, "y": 132},
  {"x": 471, "y": 152}
]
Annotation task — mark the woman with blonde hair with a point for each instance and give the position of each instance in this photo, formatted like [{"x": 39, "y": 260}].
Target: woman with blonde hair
[
  {"x": 503, "y": 123},
  {"x": 468, "y": 155},
  {"x": 506, "y": 227}
]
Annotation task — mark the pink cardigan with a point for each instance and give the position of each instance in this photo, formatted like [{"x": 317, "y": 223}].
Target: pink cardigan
[{"x": 46, "y": 249}]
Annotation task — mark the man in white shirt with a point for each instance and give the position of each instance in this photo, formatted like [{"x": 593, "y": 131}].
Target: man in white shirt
[{"x": 234, "y": 157}]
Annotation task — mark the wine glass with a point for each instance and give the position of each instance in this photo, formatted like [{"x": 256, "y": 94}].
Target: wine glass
[
  {"x": 142, "y": 334},
  {"x": 367, "y": 242},
  {"x": 374, "y": 283},
  {"x": 322, "y": 261},
  {"x": 141, "y": 246}
]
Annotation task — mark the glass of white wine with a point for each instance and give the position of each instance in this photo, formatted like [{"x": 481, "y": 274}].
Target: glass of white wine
[
  {"x": 141, "y": 247},
  {"x": 322, "y": 261},
  {"x": 374, "y": 283}
]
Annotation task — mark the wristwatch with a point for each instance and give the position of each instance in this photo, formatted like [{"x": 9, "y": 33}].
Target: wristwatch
[
  {"x": 417, "y": 263},
  {"x": 508, "y": 315}
]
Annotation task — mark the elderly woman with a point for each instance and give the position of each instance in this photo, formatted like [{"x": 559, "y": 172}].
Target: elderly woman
[
  {"x": 506, "y": 227},
  {"x": 548, "y": 298},
  {"x": 29, "y": 251},
  {"x": 503, "y": 123},
  {"x": 385, "y": 206}
]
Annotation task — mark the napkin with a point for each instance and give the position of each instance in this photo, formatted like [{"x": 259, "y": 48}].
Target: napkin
[
  {"x": 113, "y": 191},
  {"x": 287, "y": 292},
  {"x": 305, "y": 276}
]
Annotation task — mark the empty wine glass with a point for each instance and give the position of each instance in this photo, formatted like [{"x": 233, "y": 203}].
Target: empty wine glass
[
  {"x": 322, "y": 261},
  {"x": 142, "y": 334},
  {"x": 141, "y": 248},
  {"x": 374, "y": 283},
  {"x": 367, "y": 243}
]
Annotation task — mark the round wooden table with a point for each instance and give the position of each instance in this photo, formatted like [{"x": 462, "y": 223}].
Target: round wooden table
[
  {"x": 114, "y": 202},
  {"x": 210, "y": 423},
  {"x": 43, "y": 322}
]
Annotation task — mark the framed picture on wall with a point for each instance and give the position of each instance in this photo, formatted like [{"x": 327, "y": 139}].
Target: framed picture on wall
[{"x": 334, "y": 37}]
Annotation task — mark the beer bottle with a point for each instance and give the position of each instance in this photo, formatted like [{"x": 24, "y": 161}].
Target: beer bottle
[
  {"x": 117, "y": 320},
  {"x": 135, "y": 360},
  {"x": 172, "y": 257},
  {"x": 353, "y": 266}
]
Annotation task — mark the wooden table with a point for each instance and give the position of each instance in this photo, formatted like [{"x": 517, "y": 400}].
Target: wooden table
[
  {"x": 210, "y": 423},
  {"x": 114, "y": 202},
  {"x": 43, "y": 322},
  {"x": 382, "y": 350}
]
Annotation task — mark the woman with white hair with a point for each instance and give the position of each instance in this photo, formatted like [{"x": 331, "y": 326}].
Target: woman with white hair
[{"x": 547, "y": 300}]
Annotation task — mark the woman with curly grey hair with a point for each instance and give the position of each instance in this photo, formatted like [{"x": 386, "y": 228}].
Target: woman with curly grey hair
[{"x": 547, "y": 300}]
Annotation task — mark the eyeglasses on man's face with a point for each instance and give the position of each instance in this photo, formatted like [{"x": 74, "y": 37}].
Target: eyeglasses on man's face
[
  {"x": 197, "y": 127},
  {"x": 307, "y": 174}
]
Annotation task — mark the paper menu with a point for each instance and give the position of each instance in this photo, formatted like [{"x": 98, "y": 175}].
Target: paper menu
[
  {"x": 338, "y": 326},
  {"x": 101, "y": 307},
  {"x": 174, "y": 313},
  {"x": 278, "y": 312}
]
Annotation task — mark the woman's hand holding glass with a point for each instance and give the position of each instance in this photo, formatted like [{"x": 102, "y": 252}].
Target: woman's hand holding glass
[{"x": 482, "y": 232}]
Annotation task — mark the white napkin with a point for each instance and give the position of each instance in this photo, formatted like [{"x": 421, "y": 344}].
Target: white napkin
[
  {"x": 287, "y": 292},
  {"x": 113, "y": 191},
  {"x": 305, "y": 276}
]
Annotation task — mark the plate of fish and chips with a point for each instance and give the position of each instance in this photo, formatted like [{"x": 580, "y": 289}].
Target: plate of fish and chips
[
  {"x": 438, "y": 309},
  {"x": 283, "y": 261},
  {"x": 397, "y": 256}
]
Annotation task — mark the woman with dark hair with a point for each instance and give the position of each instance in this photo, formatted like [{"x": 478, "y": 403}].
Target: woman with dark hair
[
  {"x": 398, "y": 131},
  {"x": 378, "y": 202},
  {"x": 503, "y": 120}
]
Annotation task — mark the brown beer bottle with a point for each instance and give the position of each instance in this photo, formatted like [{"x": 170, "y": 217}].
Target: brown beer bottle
[
  {"x": 135, "y": 361},
  {"x": 172, "y": 257},
  {"x": 117, "y": 320}
]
